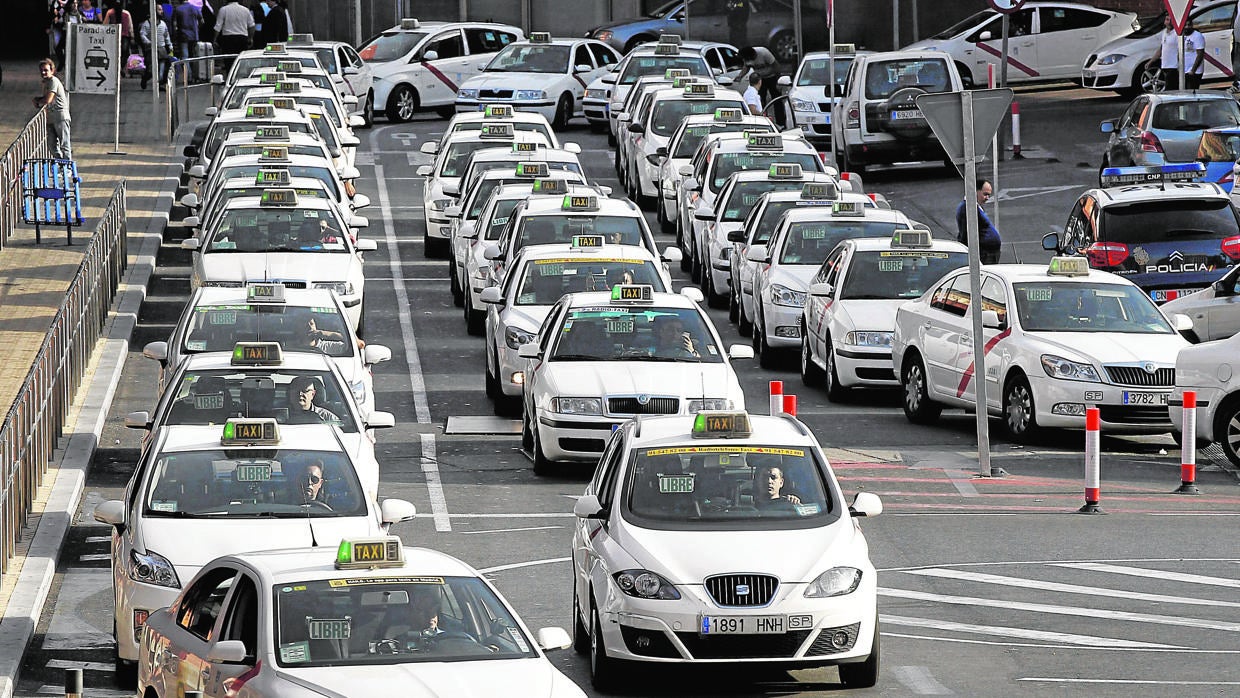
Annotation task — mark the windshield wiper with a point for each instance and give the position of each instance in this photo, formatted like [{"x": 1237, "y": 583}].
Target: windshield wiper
[{"x": 577, "y": 357}]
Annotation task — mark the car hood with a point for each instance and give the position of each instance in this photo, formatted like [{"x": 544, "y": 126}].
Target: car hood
[
  {"x": 527, "y": 317},
  {"x": 1129, "y": 46},
  {"x": 514, "y": 81},
  {"x": 216, "y": 537},
  {"x": 1112, "y": 347},
  {"x": 275, "y": 266},
  {"x": 534, "y": 677},
  {"x": 687, "y": 380},
  {"x": 879, "y": 315}
]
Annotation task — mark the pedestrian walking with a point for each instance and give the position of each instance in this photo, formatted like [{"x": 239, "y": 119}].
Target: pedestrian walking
[
  {"x": 56, "y": 100},
  {"x": 186, "y": 18},
  {"x": 156, "y": 40},
  {"x": 757, "y": 59},
  {"x": 988, "y": 240},
  {"x": 1168, "y": 55},
  {"x": 58, "y": 12},
  {"x": 234, "y": 28},
  {"x": 275, "y": 24},
  {"x": 752, "y": 98},
  {"x": 118, "y": 15},
  {"x": 1194, "y": 56},
  {"x": 738, "y": 22}
]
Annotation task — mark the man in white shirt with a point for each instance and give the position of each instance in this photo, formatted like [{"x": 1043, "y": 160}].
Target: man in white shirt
[
  {"x": 1194, "y": 56},
  {"x": 752, "y": 99},
  {"x": 1168, "y": 56},
  {"x": 1235, "y": 54},
  {"x": 234, "y": 28}
]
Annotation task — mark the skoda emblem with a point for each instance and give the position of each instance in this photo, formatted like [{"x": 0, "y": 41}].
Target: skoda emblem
[
  {"x": 1150, "y": 368},
  {"x": 742, "y": 590},
  {"x": 643, "y": 399}
]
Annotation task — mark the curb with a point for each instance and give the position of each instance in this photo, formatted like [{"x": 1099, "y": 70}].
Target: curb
[{"x": 30, "y": 593}]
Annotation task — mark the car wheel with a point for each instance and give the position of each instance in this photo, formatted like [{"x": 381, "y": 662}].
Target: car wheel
[
  {"x": 368, "y": 111},
  {"x": 563, "y": 111},
  {"x": 527, "y": 433},
  {"x": 542, "y": 464},
  {"x": 763, "y": 351},
  {"x": 835, "y": 391},
  {"x": 446, "y": 112},
  {"x": 475, "y": 321},
  {"x": 454, "y": 284},
  {"x": 1018, "y": 414},
  {"x": 492, "y": 383},
  {"x": 918, "y": 407},
  {"x": 966, "y": 76},
  {"x": 402, "y": 104},
  {"x": 361, "y": 320},
  {"x": 743, "y": 324},
  {"x": 1227, "y": 430},
  {"x": 811, "y": 375},
  {"x": 581, "y": 634},
  {"x": 1150, "y": 79},
  {"x": 598, "y": 126},
  {"x": 126, "y": 672},
  {"x": 1106, "y": 162},
  {"x": 784, "y": 47},
  {"x": 734, "y": 305},
  {"x": 665, "y": 225},
  {"x": 603, "y": 669},
  {"x": 863, "y": 674},
  {"x": 686, "y": 253}
]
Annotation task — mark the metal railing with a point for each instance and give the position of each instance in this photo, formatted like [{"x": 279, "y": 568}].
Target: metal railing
[
  {"x": 31, "y": 143},
  {"x": 33, "y": 424},
  {"x": 180, "y": 87}
]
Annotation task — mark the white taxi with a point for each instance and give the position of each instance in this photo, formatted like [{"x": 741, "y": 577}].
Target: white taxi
[
  {"x": 308, "y": 320},
  {"x": 647, "y": 59},
  {"x": 1058, "y": 338},
  {"x": 420, "y": 64},
  {"x": 808, "y": 92},
  {"x": 602, "y": 358},
  {"x": 1210, "y": 370},
  {"x": 275, "y": 158},
  {"x": 800, "y": 244},
  {"x": 246, "y": 119},
  {"x": 264, "y": 178},
  {"x": 354, "y": 75},
  {"x": 280, "y": 238},
  {"x": 238, "y": 485},
  {"x": 521, "y": 121},
  {"x": 682, "y": 551},
  {"x": 850, "y": 307},
  {"x": 271, "y": 56},
  {"x": 544, "y": 75},
  {"x": 540, "y": 276},
  {"x": 1215, "y": 311},
  {"x": 367, "y": 617}
]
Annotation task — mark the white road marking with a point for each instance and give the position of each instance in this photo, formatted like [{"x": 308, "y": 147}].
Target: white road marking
[
  {"x": 526, "y": 515},
  {"x": 1001, "y": 580},
  {"x": 921, "y": 681},
  {"x": 1010, "y": 193},
  {"x": 1074, "y": 648},
  {"x": 95, "y": 557},
  {"x": 1139, "y": 682},
  {"x": 1058, "y": 638},
  {"x": 518, "y": 565},
  {"x": 961, "y": 482},
  {"x": 1009, "y": 563},
  {"x": 1062, "y": 610},
  {"x": 411, "y": 279},
  {"x": 1154, "y": 574},
  {"x": 98, "y": 539},
  {"x": 85, "y": 666},
  {"x": 430, "y": 467},
  {"x": 509, "y": 530}
]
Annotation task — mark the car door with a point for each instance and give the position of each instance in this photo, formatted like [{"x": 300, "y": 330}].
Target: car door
[
  {"x": 708, "y": 20},
  {"x": 444, "y": 64},
  {"x": 582, "y": 58},
  {"x": 1022, "y": 48},
  {"x": 585, "y": 551},
  {"x": 1125, "y": 140},
  {"x": 534, "y": 368},
  {"x": 483, "y": 43},
  {"x": 994, "y": 297},
  {"x": 1066, "y": 36},
  {"x": 1215, "y": 24},
  {"x": 818, "y": 308},
  {"x": 1223, "y": 312},
  {"x": 241, "y": 619},
  {"x": 940, "y": 332},
  {"x": 185, "y": 658},
  {"x": 359, "y": 82}
]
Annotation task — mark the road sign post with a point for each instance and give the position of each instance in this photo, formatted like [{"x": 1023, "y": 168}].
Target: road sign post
[{"x": 961, "y": 120}]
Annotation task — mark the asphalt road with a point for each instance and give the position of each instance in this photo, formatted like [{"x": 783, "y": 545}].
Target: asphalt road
[{"x": 987, "y": 587}]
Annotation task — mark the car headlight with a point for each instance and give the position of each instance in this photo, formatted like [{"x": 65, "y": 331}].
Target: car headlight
[
  {"x": 782, "y": 295},
  {"x": 222, "y": 284},
  {"x": 644, "y": 584},
  {"x": 341, "y": 288},
  {"x": 1059, "y": 367},
  {"x": 440, "y": 204},
  {"x": 868, "y": 339},
  {"x": 597, "y": 93},
  {"x": 576, "y": 405},
  {"x": 836, "y": 581},
  {"x": 1111, "y": 59},
  {"x": 359, "y": 391},
  {"x": 710, "y": 403},
  {"x": 153, "y": 568},
  {"x": 467, "y": 93},
  {"x": 803, "y": 105},
  {"x": 603, "y": 35},
  {"x": 531, "y": 94},
  {"x": 514, "y": 337}
]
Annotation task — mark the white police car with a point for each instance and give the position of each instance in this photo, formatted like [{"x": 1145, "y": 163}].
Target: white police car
[
  {"x": 199, "y": 492},
  {"x": 602, "y": 358},
  {"x": 1058, "y": 338},
  {"x": 367, "y": 617},
  {"x": 850, "y": 306},
  {"x": 722, "y": 538}
]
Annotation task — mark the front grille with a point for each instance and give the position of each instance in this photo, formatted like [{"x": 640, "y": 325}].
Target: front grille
[
  {"x": 875, "y": 374},
  {"x": 729, "y": 590},
  {"x": 1129, "y": 414},
  {"x": 495, "y": 94},
  {"x": 655, "y": 405},
  {"x": 823, "y": 645},
  {"x": 744, "y": 646},
  {"x": 1105, "y": 81},
  {"x": 1138, "y": 376},
  {"x": 648, "y": 643},
  {"x": 586, "y": 445}
]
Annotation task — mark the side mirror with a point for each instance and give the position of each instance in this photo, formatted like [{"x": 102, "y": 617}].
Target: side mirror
[
  {"x": 350, "y": 70},
  {"x": 693, "y": 293},
  {"x": 550, "y": 639},
  {"x": 111, "y": 512},
  {"x": 691, "y": 184},
  {"x": 636, "y": 128},
  {"x": 685, "y": 171},
  {"x": 359, "y": 202},
  {"x": 784, "y": 81},
  {"x": 672, "y": 255},
  {"x": 704, "y": 213},
  {"x": 349, "y": 100},
  {"x": 190, "y": 151},
  {"x": 430, "y": 56},
  {"x": 724, "y": 81},
  {"x": 821, "y": 290},
  {"x": 866, "y": 504},
  {"x": 736, "y": 235},
  {"x": 227, "y": 652},
  {"x": 375, "y": 354},
  {"x": 138, "y": 420},
  {"x": 582, "y": 68},
  {"x": 350, "y": 173},
  {"x": 190, "y": 200},
  {"x": 452, "y": 211},
  {"x": 453, "y": 190},
  {"x": 661, "y": 152},
  {"x": 571, "y": 147},
  {"x": 197, "y": 172},
  {"x": 156, "y": 351},
  {"x": 348, "y": 141},
  {"x": 429, "y": 147},
  {"x": 757, "y": 253},
  {"x": 1050, "y": 242},
  {"x": 492, "y": 252},
  {"x": 740, "y": 351},
  {"x": 619, "y": 115},
  {"x": 1107, "y": 126},
  {"x": 609, "y": 79},
  {"x": 424, "y": 171},
  {"x": 529, "y": 351},
  {"x": 985, "y": 36},
  {"x": 1181, "y": 322},
  {"x": 393, "y": 511},
  {"x": 191, "y": 222},
  {"x": 990, "y": 319},
  {"x": 587, "y": 506},
  {"x": 380, "y": 420},
  {"x": 359, "y": 223},
  {"x": 190, "y": 244},
  {"x": 217, "y": 79},
  {"x": 366, "y": 245},
  {"x": 210, "y": 112},
  {"x": 491, "y": 294}
]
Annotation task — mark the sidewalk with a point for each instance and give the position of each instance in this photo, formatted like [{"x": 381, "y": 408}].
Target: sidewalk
[{"x": 33, "y": 282}]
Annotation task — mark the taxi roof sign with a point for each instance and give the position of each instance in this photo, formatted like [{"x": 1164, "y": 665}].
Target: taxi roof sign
[
  {"x": 278, "y": 197},
  {"x": 642, "y": 293},
  {"x": 264, "y": 293},
  {"x": 283, "y": 102},
  {"x": 525, "y": 146},
  {"x": 845, "y": 48},
  {"x": 301, "y": 38},
  {"x": 784, "y": 170},
  {"x": 497, "y": 111},
  {"x": 292, "y": 67},
  {"x": 579, "y": 202},
  {"x": 274, "y": 77},
  {"x": 682, "y": 81},
  {"x": 532, "y": 169},
  {"x": 370, "y": 553},
  {"x": 662, "y": 49},
  {"x": 581, "y": 242},
  {"x": 276, "y": 48},
  {"x": 272, "y": 176},
  {"x": 250, "y": 432},
  {"x": 504, "y": 130},
  {"x": 259, "y": 111},
  {"x": 257, "y": 354},
  {"x": 819, "y": 190},
  {"x": 271, "y": 133},
  {"x": 540, "y": 37},
  {"x": 1155, "y": 174},
  {"x": 673, "y": 73},
  {"x": 670, "y": 39},
  {"x": 1068, "y": 266},
  {"x": 728, "y": 115},
  {"x": 276, "y": 153},
  {"x": 721, "y": 425},
  {"x": 550, "y": 186},
  {"x": 912, "y": 238},
  {"x": 409, "y": 23},
  {"x": 288, "y": 87},
  {"x": 761, "y": 140},
  {"x": 847, "y": 208},
  {"x": 699, "y": 89}
]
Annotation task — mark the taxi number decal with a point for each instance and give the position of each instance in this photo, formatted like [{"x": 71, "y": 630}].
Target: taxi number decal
[
  {"x": 358, "y": 581},
  {"x": 1038, "y": 294},
  {"x": 890, "y": 265},
  {"x": 196, "y": 345},
  {"x": 329, "y": 628},
  {"x": 916, "y": 255},
  {"x": 675, "y": 484},
  {"x": 619, "y": 327},
  {"x": 725, "y": 449},
  {"x": 222, "y": 317},
  {"x": 295, "y": 652}
]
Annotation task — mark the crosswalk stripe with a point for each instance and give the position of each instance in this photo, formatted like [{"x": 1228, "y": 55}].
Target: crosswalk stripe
[
  {"x": 1061, "y": 610},
  {"x": 1022, "y": 633},
  {"x": 1067, "y": 588},
  {"x": 1154, "y": 574}
]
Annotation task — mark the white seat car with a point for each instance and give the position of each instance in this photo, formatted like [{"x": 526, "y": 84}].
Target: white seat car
[
  {"x": 342, "y": 61},
  {"x": 370, "y": 617},
  {"x": 681, "y": 552},
  {"x": 850, "y": 307},
  {"x": 602, "y": 358},
  {"x": 1215, "y": 311},
  {"x": 1059, "y": 338},
  {"x": 521, "y": 121},
  {"x": 646, "y": 59},
  {"x": 419, "y": 65},
  {"x": 1209, "y": 370}
]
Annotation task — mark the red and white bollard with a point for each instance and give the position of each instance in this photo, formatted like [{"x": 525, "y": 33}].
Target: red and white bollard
[
  {"x": 1016, "y": 131},
  {"x": 790, "y": 405},
  {"x": 777, "y": 398},
  {"x": 1093, "y": 426},
  {"x": 1188, "y": 446}
]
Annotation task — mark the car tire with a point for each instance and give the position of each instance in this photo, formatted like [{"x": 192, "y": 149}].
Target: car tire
[
  {"x": 454, "y": 285},
  {"x": 563, "y": 111},
  {"x": 714, "y": 298},
  {"x": 543, "y": 466},
  {"x": 446, "y": 112},
  {"x": 686, "y": 253},
  {"x": 784, "y": 47},
  {"x": 434, "y": 248},
  {"x": 527, "y": 434},
  {"x": 475, "y": 321},
  {"x": 863, "y": 674},
  {"x": 811, "y": 374},
  {"x": 918, "y": 407},
  {"x": 743, "y": 324},
  {"x": 604, "y": 672},
  {"x": 762, "y": 351},
  {"x": 1227, "y": 429},
  {"x": 639, "y": 39},
  {"x": 1148, "y": 79},
  {"x": 835, "y": 391},
  {"x": 966, "y": 76},
  {"x": 598, "y": 127},
  {"x": 125, "y": 672},
  {"x": 581, "y": 634},
  {"x": 665, "y": 225},
  {"x": 492, "y": 383},
  {"x": 849, "y": 165},
  {"x": 361, "y": 320},
  {"x": 734, "y": 305},
  {"x": 402, "y": 104},
  {"x": 1019, "y": 418},
  {"x": 1106, "y": 162},
  {"x": 368, "y": 110}
]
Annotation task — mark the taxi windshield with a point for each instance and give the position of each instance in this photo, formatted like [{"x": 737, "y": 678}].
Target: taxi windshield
[
  {"x": 553, "y": 228},
  {"x": 809, "y": 242},
  {"x": 770, "y": 218},
  {"x": 691, "y": 486},
  {"x": 257, "y": 147},
  {"x": 228, "y": 193},
  {"x": 276, "y": 229},
  {"x": 295, "y": 327},
  {"x": 545, "y": 280},
  {"x": 692, "y": 136},
  {"x": 237, "y": 97},
  {"x": 499, "y": 218},
  {"x": 745, "y": 194},
  {"x": 668, "y": 113},
  {"x": 894, "y": 274},
  {"x": 518, "y": 126},
  {"x": 326, "y": 56},
  {"x": 322, "y": 173},
  {"x": 817, "y": 71},
  {"x": 327, "y": 104},
  {"x": 727, "y": 164},
  {"x": 390, "y": 46},
  {"x": 365, "y": 617},
  {"x": 324, "y": 128},
  {"x": 635, "y": 333},
  {"x": 643, "y": 65},
  {"x": 286, "y": 395},
  {"x": 247, "y": 64},
  {"x": 884, "y": 78},
  {"x": 1087, "y": 307},
  {"x": 254, "y": 482},
  {"x": 473, "y": 174},
  {"x": 530, "y": 58},
  {"x": 221, "y": 132},
  {"x": 456, "y": 158}
]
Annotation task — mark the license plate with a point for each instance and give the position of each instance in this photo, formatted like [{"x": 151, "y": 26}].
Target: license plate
[
  {"x": 1169, "y": 294},
  {"x": 906, "y": 114},
  {"x": 742, "y": 625},
  {"x": 1156, "y": 399},
  {"x": 814, "y": 118}
]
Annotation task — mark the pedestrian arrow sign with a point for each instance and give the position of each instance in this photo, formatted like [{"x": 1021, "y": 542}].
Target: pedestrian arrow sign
[
  {"x": 94, "y": 58},
  {"x": 1177, "y": 10},
  {"x": 945, "y": 113}
]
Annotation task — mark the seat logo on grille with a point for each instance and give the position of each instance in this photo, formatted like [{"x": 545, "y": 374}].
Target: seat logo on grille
[
  {"x": 643, "y": 399},
  {"x": 742, "y": 590}
]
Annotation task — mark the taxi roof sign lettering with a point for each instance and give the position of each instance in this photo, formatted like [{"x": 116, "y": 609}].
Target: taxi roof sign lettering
[
  {"x": 579, "y": 202},
  {"x": 728, "y": 115},
  {"x": 682, "y": 81},
  {"x": 409, "y": 23},
  {"x": 847, "y": 208},
  {"x": 532, "y": 169},
  {"x": 278, "y": 197},
  {"x": 370, "y": 553},
  {"x": 282, "y": 102},
  {"x": 274, "y": 152},
  {"x": 525, "y": 147},
  {"x": 911, "y": 237},
  {"x": 699, "y": 89},
  {"x": 818, "y": 190},
  {"x": 264, "y": 293},
  {"x": 289, "y": 66},
  {"x": 632, "y": 292},
  {"x": 252, "y": 432},
  {"x": 271, "y": 133},
  {"x": 784, "y": 170},
  {"x": 670, "y": 39},
  {"x": 257, "y": 354},
  {"x": 288, "y": 87},
  {"x": 759, "y": 140},
  {"x": 673, "y": 73},
  {"x": 276, "y": 48},
  {"x": 301, "y": 38},
  {"x": 845, "y": 48},
  {"x": 1068, "y": 266},
  {"x": 662, "y": 49},
  {"x": 496, "y": 131},
  {"x": 550, "y": 186},
  {"x": 586, "y": 241},
  {"x": 260, "y": 111},
  {"x": 497, "y": 111},
  {"x": 268, "y": 177},
  {"x": 721, "y": 425},
  {"x": 273, "y": 78},
  {"x": 540, "y": 37}
]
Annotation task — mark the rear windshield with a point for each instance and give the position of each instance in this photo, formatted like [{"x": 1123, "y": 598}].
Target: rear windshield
[
  {"x": 641, "y": 66},
  {"x": 1196, "y": 115},
  {"x": 817, "y": 71},
  {"x": 552, "y": 229},
  {"x": 692, "y": 136},
  {"x": 1161, "y": 221},
  {"x": 669, "y": 113},
  {"x": 809, "y": 242},
  {"x": 883, "y": 78},
  {"x": 727, "y": 164}
]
